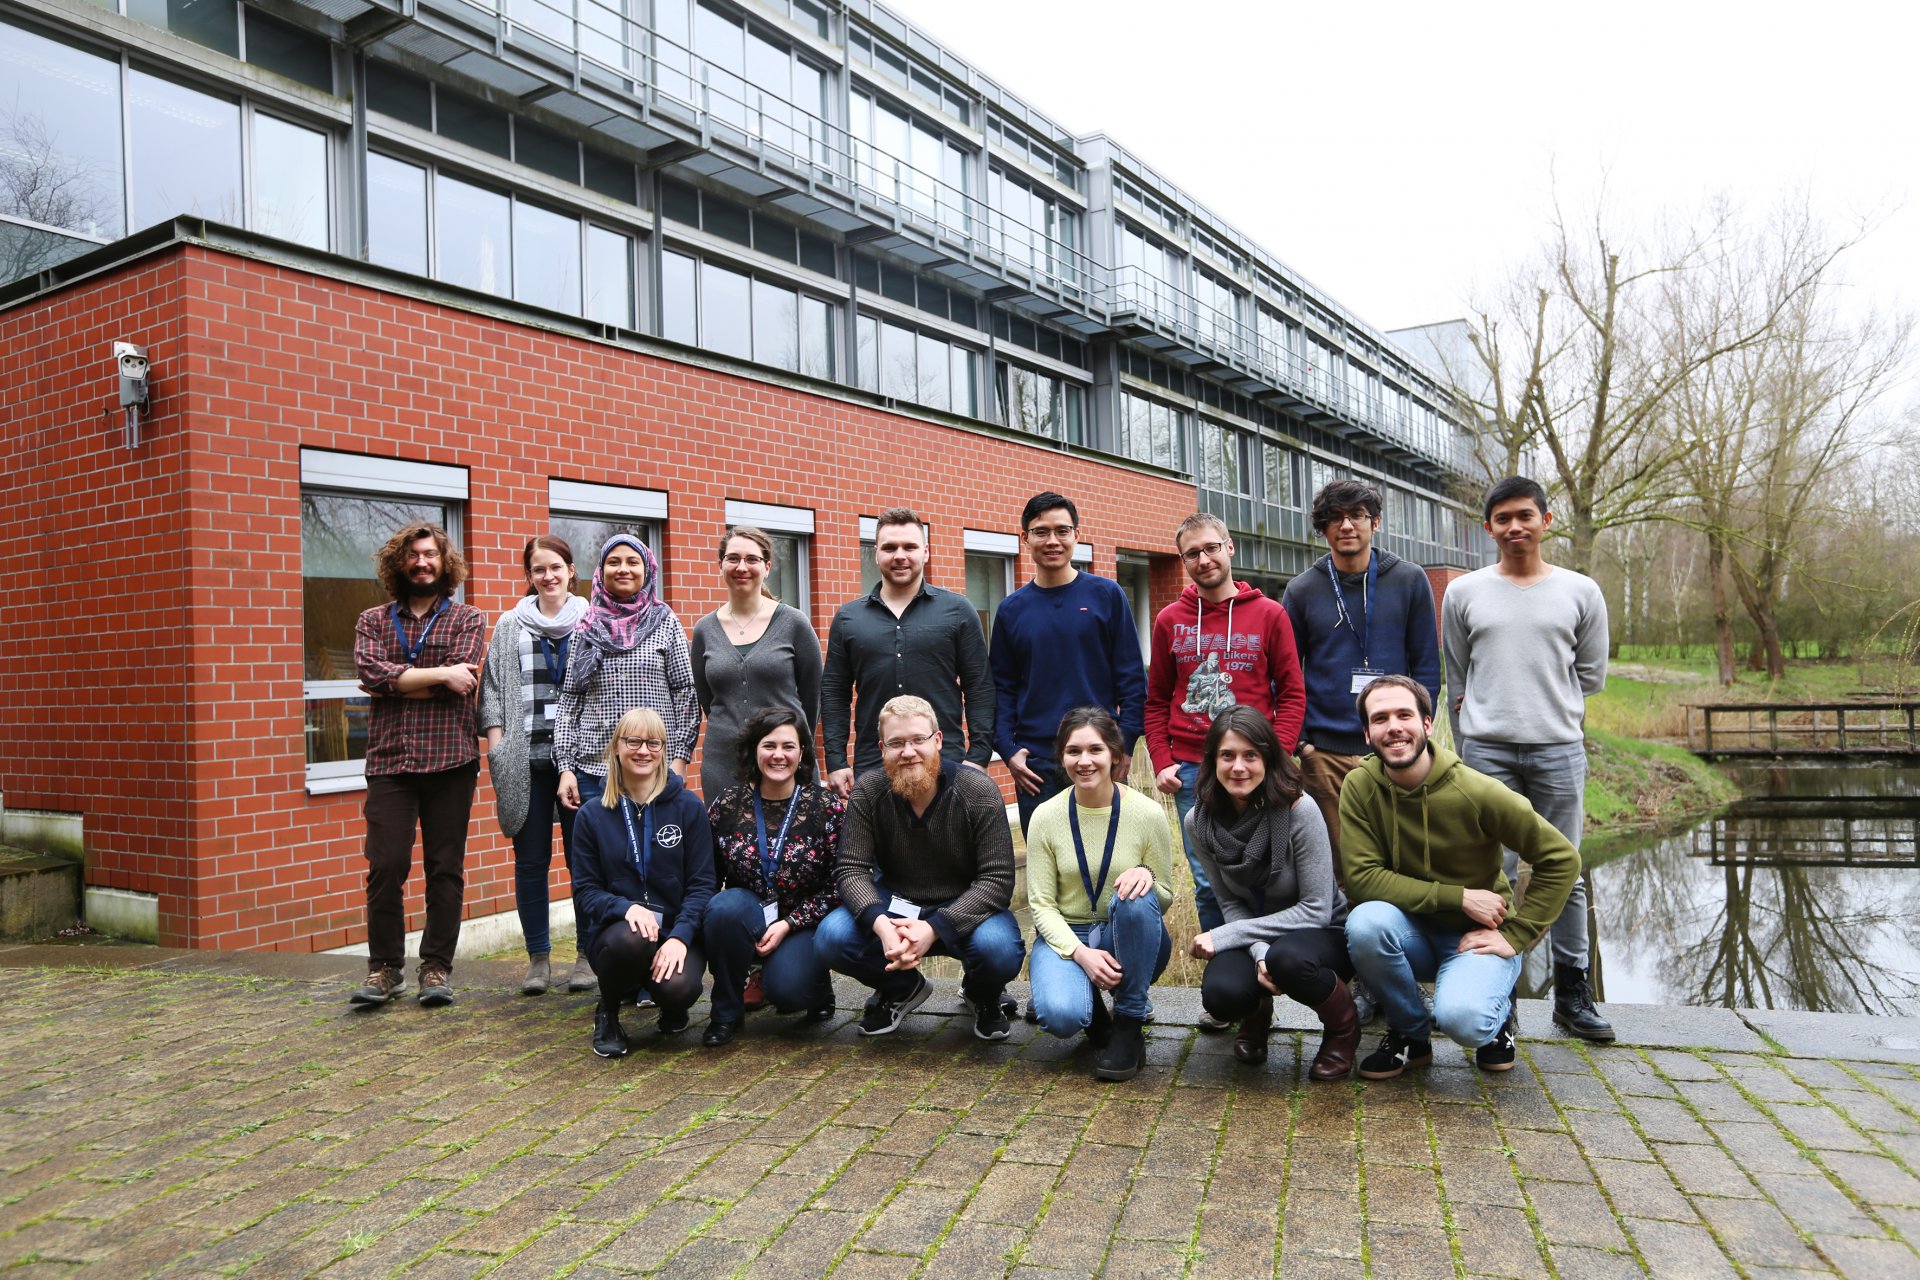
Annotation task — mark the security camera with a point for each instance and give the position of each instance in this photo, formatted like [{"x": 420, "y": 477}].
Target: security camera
[{"x": 132, "y": 363}]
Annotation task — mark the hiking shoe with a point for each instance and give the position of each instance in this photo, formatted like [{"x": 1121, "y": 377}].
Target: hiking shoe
[
  {"x": 1395, "y": 1054},
  {"x": 883, "y": 1016},
  {"x": 1124, "y": 1053},
  {"x": 436, "y": 989},
  {"x": 383, "y": 984},
  {"x": 1100, "y": 1029},
  {"x": 1573, "y": 1007},
  {"x": 990, "y": 1020},
  {"x": 754, "y": 998},
  {"x": 1497, "y": 1054},
  {"x": 539, "y": 976}
]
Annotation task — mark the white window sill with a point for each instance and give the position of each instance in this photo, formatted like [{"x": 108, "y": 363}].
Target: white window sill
[{"x": 334, "y": 786}]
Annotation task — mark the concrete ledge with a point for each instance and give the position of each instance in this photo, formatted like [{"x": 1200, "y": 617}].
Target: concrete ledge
[
  {"x": 121, "y": 913},
  {"x": 39, "y": 895},
  {"x": 44, "y": 831},
  {"x": 1858, "y": 1037}
]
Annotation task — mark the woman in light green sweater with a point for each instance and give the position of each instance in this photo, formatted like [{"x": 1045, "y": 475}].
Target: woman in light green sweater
[{"x": 1099, "y": 875}]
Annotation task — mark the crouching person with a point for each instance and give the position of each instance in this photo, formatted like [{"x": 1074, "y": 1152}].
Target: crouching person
[
  {"x": 925, "y": 868},
  {"x": 1099, "y": 875},
  {"x": 1421, "y": 838},
  {"x": 642, "y": 876},
  {"x": 1266, "y": 853}
]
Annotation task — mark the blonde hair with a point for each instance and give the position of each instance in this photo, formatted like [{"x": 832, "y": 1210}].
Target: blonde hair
[
  {"x": 908, "y": 705},
  {"x": 641, "y": 722}
]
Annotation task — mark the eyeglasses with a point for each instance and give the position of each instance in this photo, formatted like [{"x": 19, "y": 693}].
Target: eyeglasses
[
  {"x": 1355, "y": 518},
  {"x": 917, "y": 741},
  {"x": 644, "y": 744},
  {"x": 1043, "y": 533},
  {"x": 1211, "y": 550},
  {"x": 751, "y": 562}
]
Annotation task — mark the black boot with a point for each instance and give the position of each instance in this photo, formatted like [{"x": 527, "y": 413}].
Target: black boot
[
  {"x": 1100, "y": 1030},
  {"x": 1125, "y": 1052},
  {"x": 609, "y": 1041},
  {"x": 1573, "y": 1009}
]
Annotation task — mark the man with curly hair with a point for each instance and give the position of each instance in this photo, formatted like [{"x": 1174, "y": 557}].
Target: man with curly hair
[{"x": 419, "y": 661}]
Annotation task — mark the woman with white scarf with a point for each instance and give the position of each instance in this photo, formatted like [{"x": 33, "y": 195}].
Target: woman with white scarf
[{"x": 526, "y": 668}]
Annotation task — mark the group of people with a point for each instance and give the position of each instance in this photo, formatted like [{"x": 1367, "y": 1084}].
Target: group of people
[{"x": 1376, "y": 861}]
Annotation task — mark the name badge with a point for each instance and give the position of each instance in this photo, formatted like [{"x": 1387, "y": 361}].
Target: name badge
[
  {"x": 551, "y": 708},
  {"x": 772, "y": 912},
  {"x": 1362, "y": 678},
  {"x": 902, "y": 908},
  {"x": 1097, "y": 936}
]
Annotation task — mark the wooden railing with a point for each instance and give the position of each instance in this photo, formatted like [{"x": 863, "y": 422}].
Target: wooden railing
[{"x": 1728, "y": 729}]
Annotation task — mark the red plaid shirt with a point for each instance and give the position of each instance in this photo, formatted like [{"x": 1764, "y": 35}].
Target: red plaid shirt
[{"x": 418, "y": 735}]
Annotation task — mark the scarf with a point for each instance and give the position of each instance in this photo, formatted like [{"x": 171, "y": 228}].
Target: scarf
[
  {"x": 1248, "y": 849},
  {"x": 527, "y": 614},
  {"x": 613, "y": 625}
]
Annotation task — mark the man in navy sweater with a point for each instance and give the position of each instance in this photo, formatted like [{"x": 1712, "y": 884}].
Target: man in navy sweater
[
  {"x": 1067, "y": 639},
  {"x": 1358, "y": 613}
]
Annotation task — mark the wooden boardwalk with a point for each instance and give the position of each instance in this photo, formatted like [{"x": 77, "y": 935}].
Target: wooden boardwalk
[{"x": 1730, "y": 730}]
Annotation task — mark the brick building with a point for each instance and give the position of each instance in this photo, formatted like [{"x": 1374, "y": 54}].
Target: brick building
[{"x": 385, "y": 266}]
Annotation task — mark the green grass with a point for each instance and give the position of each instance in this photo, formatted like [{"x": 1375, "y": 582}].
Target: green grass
[
  {"x": 1648, "y": 699},
  {"x": 1633, "y": 783}
]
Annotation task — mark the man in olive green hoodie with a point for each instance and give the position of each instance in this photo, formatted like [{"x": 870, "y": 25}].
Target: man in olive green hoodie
[{"x": 1420, "y": 845}]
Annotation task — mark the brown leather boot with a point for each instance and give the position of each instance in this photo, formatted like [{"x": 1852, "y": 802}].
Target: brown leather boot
[
  {"x": 1250, "y": 1046},
  {"x": 1341, "y": 1037}
]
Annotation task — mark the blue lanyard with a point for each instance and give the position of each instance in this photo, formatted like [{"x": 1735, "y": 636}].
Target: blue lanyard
[
  {"x": 556, "y": 667},
  {"x": 413, "y": 650},
  {"x": 770, "y": 853},
  {"x": 641, "y": 848},
  {"x": 1365, "y": 635},
  {"x": 1080, "y": 849}
]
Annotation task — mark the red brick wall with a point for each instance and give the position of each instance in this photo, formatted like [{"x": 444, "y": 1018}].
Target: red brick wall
[{"x": 155, "y": 661}]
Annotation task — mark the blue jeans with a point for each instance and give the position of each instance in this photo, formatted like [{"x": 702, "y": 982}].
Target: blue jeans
[
  {"x": 1395, "y": 952},
  {"x": 793, "y": 977},
  {"x": 1062, "y": 992},
  {"x": 1203, "y": 900},
  {"x": 1553, "y": 778},
  {"x": 990, "y": 956},
  {"x": 533, "y": 854},
  {"x": 1053, "y": 782}
]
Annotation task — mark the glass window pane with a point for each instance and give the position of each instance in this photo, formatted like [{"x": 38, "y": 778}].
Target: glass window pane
[
  {"x": 547, "y": 151},
  {"x": 546, "y": 258},
  {"x": 817, "y": 255},
  {"x": 186, "y": 152},
  {"x": 550, "y": 18},
  {"x": 60, "y": 120},
  {"x": 725, "y": 322},
  {"x": 787, "y": 575},
  {"x": 936, "y": 385},
  {"x": 213, "y": 23},
  {"x": 965, "y": 393},
  {"x": 816, "y": 337},
  {"x": 473, "y": 122},
  {"x": 396, "y": 214},
  {"x": 399, "y": 94},
  {"x": 986, "y": 586},
  {"x": 609, "y": 175},
  {"x": 867, "y": 358},
  {"x": 898, "y": 349},
  {"x": 776, "y": 339},
  {"x": 289, "y": 51},
  {"x": 609, "y": 277},
  {"x": 472, "y": 227},
  {"x": 290, "y": 181},
  {"x": 25, "y": 250},
  {"x": 586, "y": 535},
  {"x": 726, "y": 219},
  {"x": 679, "y": 318}
]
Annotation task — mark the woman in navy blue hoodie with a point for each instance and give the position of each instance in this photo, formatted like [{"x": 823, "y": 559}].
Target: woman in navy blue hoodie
[{"x": 642, "y": 874}]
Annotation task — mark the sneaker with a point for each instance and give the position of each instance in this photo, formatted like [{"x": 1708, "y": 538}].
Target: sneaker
[
  {"x": 1497, "y": 1054},
  {"x": 1210, "y": 1024},
  {"x": 672, "y": 1021},
  {"x": 609, "y": 1039},
  {"x": 990, "y": 1020},
  {"x": 382, "y": 984},
  {"x": 436, "y": 987},
  {"x": 1395, "y": 1054},
  {"x": 883, "y": 1017}
]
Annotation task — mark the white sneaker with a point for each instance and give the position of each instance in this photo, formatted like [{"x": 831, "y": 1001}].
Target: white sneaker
[{"x": 1210, "y": 1024}]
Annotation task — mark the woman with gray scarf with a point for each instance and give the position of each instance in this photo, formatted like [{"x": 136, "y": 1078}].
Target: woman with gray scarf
[
  {"x": 1265, "y": 849},
  {"x": 526, "y": 667}
]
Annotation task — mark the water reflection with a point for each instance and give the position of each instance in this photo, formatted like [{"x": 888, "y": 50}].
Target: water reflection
[{"x": 1804, "y": 895}]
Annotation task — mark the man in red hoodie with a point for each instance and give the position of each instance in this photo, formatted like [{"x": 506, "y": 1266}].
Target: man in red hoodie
[{"x": 1222, "y": 642}]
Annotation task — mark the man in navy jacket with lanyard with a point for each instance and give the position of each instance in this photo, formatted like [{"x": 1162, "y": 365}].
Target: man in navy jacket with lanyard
[
  {"x": 1358, "y": 613},
  {"x": 418, "y": 658}
]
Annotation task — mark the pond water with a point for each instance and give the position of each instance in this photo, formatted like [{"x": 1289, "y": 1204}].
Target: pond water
[{"x": 1804, "y": 894}]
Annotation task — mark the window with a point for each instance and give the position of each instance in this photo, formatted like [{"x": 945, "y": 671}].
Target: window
[
  {"x": 1279, "y": 476},
  {"x": 1222, "y": 309},
  {"x": 907, "y": 161},
  {"x": 396, "y": 214},
  {"x": 1223, "y": 459},
  {"x": 990, "y": 558},
  {"x": 349, "y": 506},
  {"x": 586, "y": 515},
  {"x": 290, "y": 181},
  {"x": 1150, "y": 274},
  {"x": 546, "y": 258},
  {"x": 1032, "y": 229},
  {"x": 723, "y": 309},
  {"x": 1153, "y": 432},
  {"x": 60, "y": 115},
  {"x": 215, "y": 25},
  {"x": 1041, "y": 403},
  {"x": 186, "y": 149},
  {"x": 756, "y": 83},
  {"x": 790, "y": 529},
  {"x": 916, "y": 367},
  {"x": 473, "y": 236},
  {"x": 610, "y": 277}
]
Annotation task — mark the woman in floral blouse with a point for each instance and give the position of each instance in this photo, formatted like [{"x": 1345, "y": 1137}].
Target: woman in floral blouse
[{"x": 774, "y": 838}]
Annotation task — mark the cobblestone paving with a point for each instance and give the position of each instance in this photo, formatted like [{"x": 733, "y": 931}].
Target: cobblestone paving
[{"x": 199, "y": 1124}]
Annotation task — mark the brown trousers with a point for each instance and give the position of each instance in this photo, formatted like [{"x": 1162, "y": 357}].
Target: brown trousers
[
  {"x": 1322, "y": 772},
  {"x": 440, "y": 803}
]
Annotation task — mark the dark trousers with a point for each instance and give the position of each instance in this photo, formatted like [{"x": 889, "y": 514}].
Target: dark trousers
[
  {"x": 440, "y": 804},
  {"x": 533, "y": 854},
  {"x": 1304, "y": 964},
  {"x": 792, "y": 975},
  {"x": 1053, "y": 780},
  {"x": 623, "y": 961}
]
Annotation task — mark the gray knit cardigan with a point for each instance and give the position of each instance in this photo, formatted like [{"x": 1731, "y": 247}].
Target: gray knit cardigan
[{"x": 501, "y": 706}]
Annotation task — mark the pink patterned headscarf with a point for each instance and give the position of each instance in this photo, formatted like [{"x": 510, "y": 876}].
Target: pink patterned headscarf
[{"x": 613, "y": 625}]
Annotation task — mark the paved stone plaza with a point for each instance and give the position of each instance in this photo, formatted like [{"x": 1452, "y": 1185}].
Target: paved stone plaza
[{"x": 196, "y": 1114}]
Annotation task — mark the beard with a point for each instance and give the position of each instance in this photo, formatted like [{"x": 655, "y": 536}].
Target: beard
[
  {"x": 436, "y": 586},
  {"x": 916, "y": 782}
]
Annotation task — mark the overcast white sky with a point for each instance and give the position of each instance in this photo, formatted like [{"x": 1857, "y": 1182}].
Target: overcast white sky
[{"x": 1401, "y": 156}]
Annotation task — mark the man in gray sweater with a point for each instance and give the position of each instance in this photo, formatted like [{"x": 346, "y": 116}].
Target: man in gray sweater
[
  {"x": 1525, "y": 644},
  {"x": 925, "y": 868}
]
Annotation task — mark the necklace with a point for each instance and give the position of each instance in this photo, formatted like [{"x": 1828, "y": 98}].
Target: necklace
[{"x": 738, "y": 625}]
